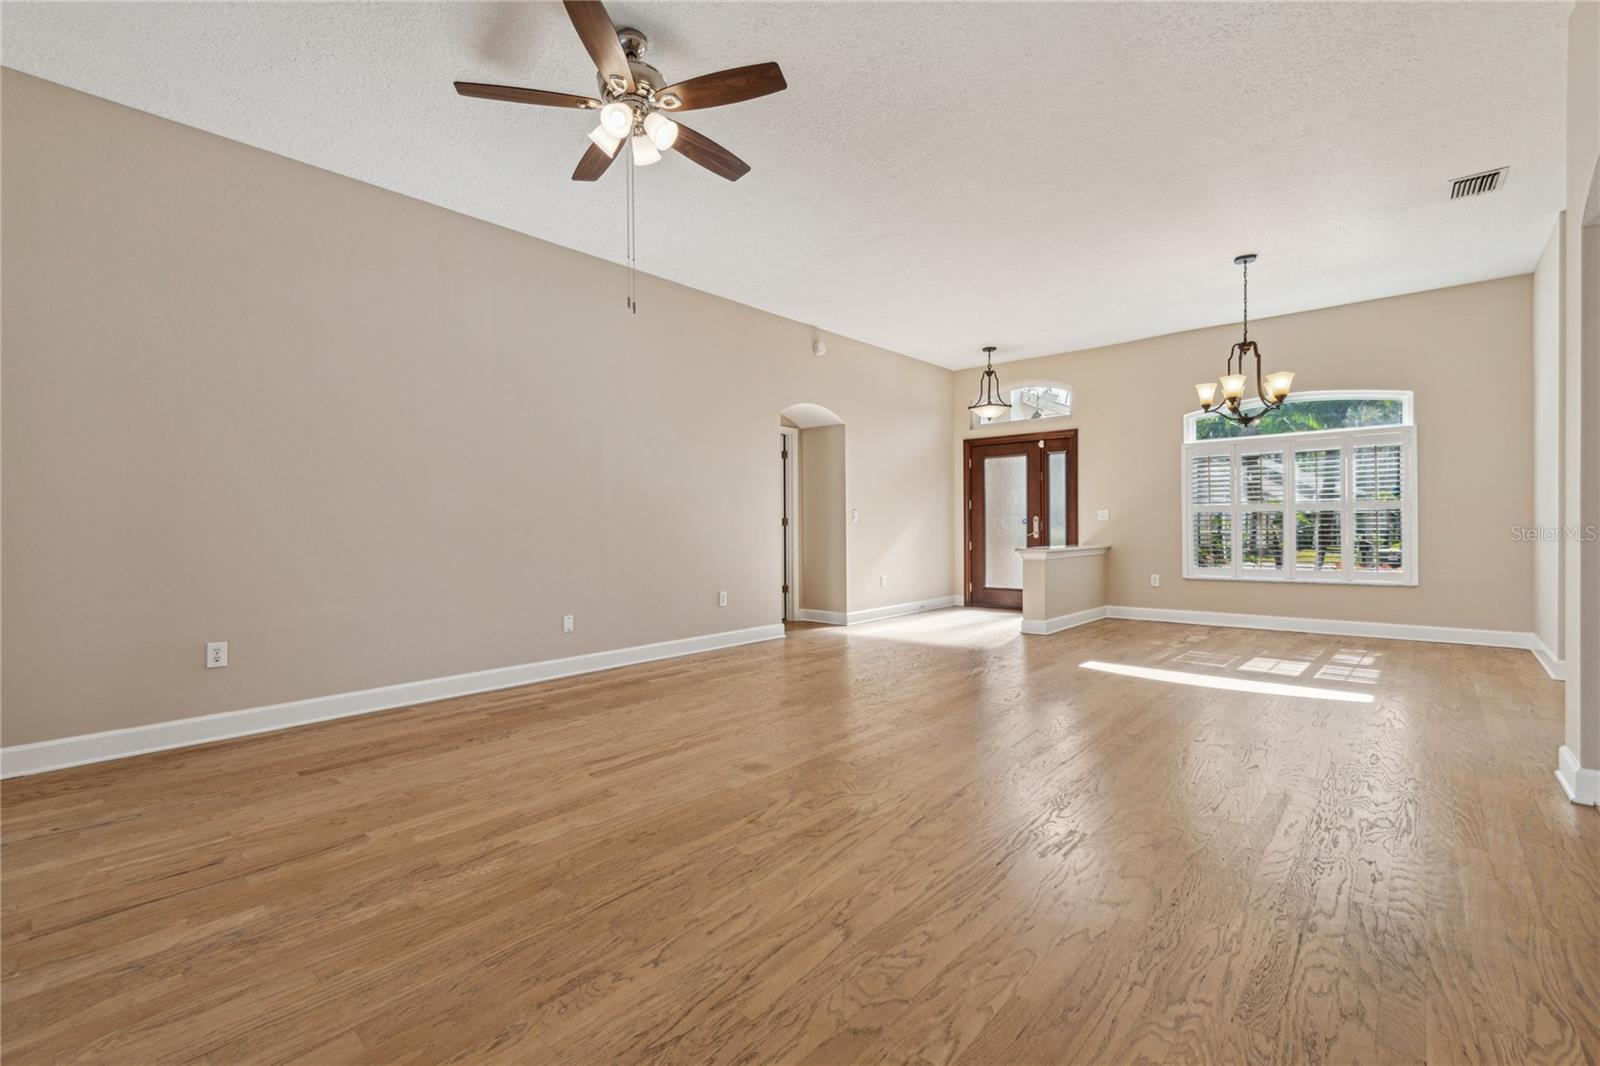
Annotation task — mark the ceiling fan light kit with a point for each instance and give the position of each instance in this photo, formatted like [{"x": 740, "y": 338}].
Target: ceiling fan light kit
[
  {"x": 1271, "y": 390},
  {"x": 662, "y": 130},
  {"x": 617, "y": 119},
  {"x": 633, "y": 97},
  {"x": 605, "y": 141},
  {"x": 645, "y": 152}
]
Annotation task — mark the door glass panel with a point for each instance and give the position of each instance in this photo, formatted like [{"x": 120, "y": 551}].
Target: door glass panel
[
  {"x": 1056, "y": 476},
  {"x": 1005, "y": 519}
]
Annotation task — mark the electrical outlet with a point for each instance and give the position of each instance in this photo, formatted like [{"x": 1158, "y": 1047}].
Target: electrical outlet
[
  {"x": 1104, "y": 516},
  {"x": 566, "y": 623},
  {"x": 216, "y": 654},
  {"x": 855, "y": 514},
  {"x": 1155, "y": 581},
  {"x": 883, "y": 581},
  {"x": 722, "y": 599}
]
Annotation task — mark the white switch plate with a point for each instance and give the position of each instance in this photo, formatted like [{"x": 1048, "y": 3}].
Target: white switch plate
[
  {"x": 722, "y": 599},
  {"x": 1155, "y": 581},
  {"x": 883, "y": 581},
  {"x": 1104, "y": 516},
  {"x": 566, "y": 623},
  {"x": 855, "y": 514},
  {"x": 216, "y": 654}
]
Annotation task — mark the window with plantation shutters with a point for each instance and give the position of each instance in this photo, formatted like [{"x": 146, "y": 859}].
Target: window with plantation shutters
[{"x": 1326, "y": 494}]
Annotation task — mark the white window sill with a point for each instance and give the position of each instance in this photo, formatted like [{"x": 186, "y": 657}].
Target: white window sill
[{"x": 1405, "y": 581}]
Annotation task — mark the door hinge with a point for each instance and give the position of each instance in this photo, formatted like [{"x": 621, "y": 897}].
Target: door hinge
[
  {"x": 785, "y": 519},
  {"x": 786, "y": 590},
  {"x": 786, "y": 453},
  {"x": 969, "y": 588},
  {"x": 969, "y": 505},
  {"x": 969, "y": 545}
]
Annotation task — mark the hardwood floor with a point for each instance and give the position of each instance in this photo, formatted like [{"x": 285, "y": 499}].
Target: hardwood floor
[{"x": 925, "y": 839}]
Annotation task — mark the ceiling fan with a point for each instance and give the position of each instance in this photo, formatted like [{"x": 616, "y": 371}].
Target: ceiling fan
[{"x": 634, "y": 103}]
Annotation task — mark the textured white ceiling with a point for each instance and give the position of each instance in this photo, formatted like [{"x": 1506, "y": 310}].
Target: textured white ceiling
[{"x": 1042, "y": 177}]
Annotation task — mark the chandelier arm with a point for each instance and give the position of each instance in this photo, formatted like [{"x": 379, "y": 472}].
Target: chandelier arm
[{"x": 1261, "y": 392}]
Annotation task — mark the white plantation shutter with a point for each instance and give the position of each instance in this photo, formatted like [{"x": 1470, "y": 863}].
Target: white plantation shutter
[
  {"x": 1334, "y": 506},
  {"x": 1212, "y": 509},
  {"x": 1212, "y": 482},
  {"x": 1261, "y": 527},
  {"x": 1318, "y": 518},
  {"x": 1380, "y": 545}
]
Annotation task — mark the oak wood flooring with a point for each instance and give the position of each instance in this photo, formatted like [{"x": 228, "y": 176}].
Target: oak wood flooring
[{"x": 927, "y": 839}]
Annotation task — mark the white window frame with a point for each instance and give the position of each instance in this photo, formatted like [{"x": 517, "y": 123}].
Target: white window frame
[{"x": 1287, "y": 444}]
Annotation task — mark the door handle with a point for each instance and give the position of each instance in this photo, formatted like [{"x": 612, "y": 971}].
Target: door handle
[{"x": 1035, "y": 527}]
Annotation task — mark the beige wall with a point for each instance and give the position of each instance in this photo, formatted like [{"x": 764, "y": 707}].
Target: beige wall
[
  {"x": 1547, "y": 416},
  {"x": 253, "y": 401},
  {"x": 1587, "y": 655},
  {"x": 248, "y": 400},
  {"x": 1465, "y": 352},
  {"x": 1581, "y": 368},
  {"x": 824, "y": 561},
  {"x": 1062, "y": 585}
]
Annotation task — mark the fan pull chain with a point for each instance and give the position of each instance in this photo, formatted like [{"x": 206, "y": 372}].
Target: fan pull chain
[{"x": 633, "y": 258}]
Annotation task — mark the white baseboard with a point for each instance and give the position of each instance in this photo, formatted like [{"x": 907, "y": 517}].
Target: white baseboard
[
  {"x": 1493, "y": 638},
  {"x": 828, "y": 618},
  {"x": 21, "y": 759},
  {"x": 1580, "y": 785},
  {"x": 1547, "y": 659},
  {"x": 1047, "y": 626},
  {"x": 874, "y": 614}
]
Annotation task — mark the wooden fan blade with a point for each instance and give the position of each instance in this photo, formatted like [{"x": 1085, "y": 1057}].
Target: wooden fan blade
[
  {"x": 512, "y": 94},
  {"x": 594, "y": 163},
  {"x": 599, "y": 35},
  {"x": 709, "y": 154},
  {"x": 723, "y": 87}
]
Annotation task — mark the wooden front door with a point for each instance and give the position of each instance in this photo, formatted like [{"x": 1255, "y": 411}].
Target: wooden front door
[{"x": 1021, "y": 493}]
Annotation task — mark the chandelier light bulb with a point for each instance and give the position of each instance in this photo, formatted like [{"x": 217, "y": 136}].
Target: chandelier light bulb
[
  {"x": 1208, "y": 393},
  {"x": 1278, "y": 383},
  {"x": 604, "y": 141},
  {"x": 1233, "y": 386},
  {"x": 644, "y": 152},
  {"x": 617, "y": 119},
  {"x": 662, "y": 130}
]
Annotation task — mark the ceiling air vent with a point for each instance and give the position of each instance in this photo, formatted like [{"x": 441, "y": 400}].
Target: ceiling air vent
[{"x": 1478, "y": 184}]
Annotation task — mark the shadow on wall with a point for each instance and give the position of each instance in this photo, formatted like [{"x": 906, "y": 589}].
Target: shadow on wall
[{"x": 822, "y": 535}]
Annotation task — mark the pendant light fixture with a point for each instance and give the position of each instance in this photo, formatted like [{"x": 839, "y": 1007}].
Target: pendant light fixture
[
  {"x": 1270, "y": 391},
  {"x": 990, "y": 402}
]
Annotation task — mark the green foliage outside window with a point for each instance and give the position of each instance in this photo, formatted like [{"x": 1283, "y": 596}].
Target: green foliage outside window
[{"x": 1306, "y": 416}]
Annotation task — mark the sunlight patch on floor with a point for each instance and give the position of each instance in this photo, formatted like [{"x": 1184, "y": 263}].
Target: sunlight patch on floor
[{"x": 1231, "y": 684}]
